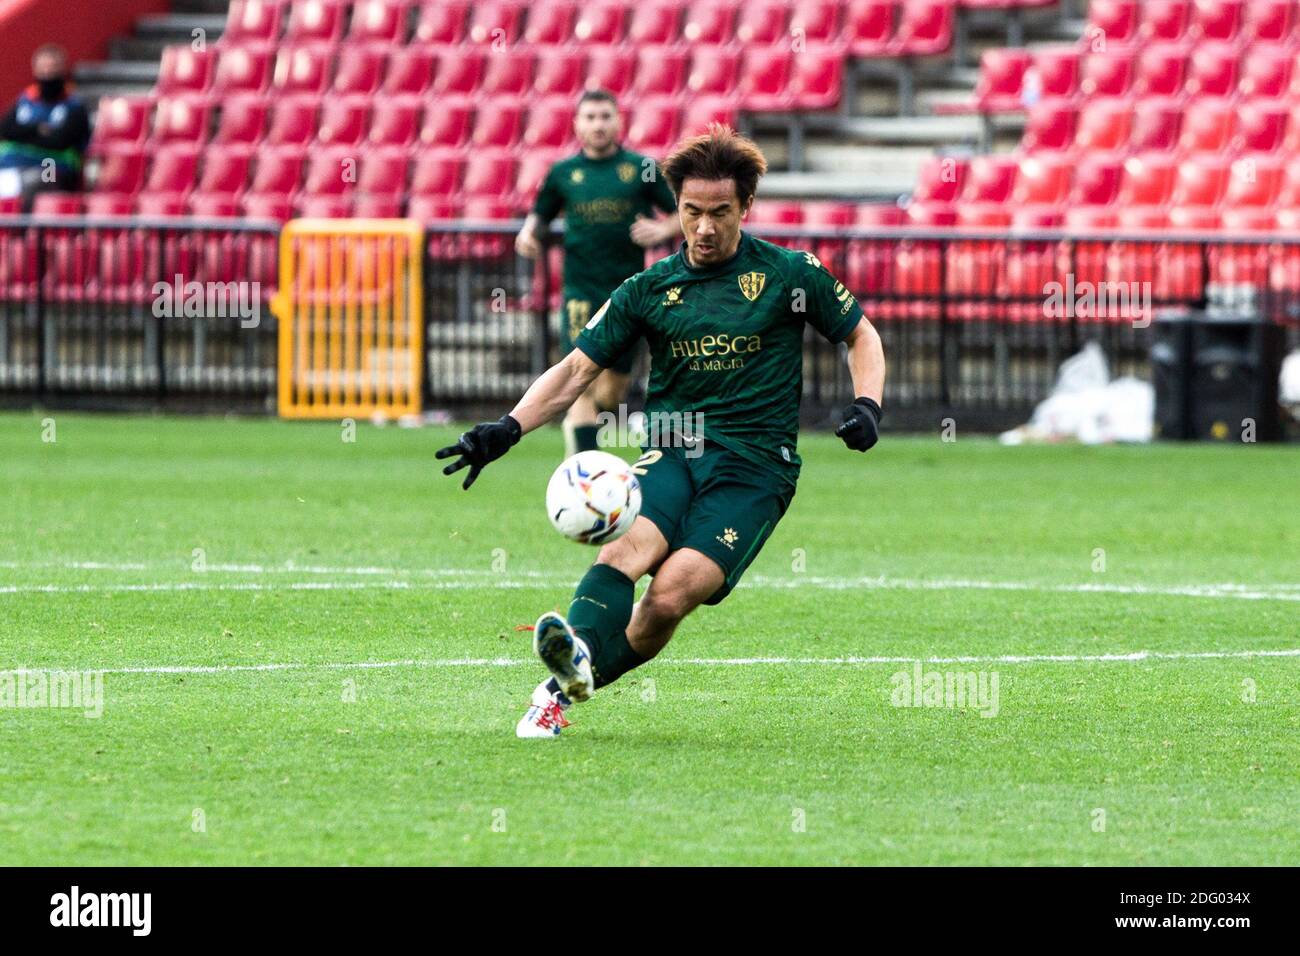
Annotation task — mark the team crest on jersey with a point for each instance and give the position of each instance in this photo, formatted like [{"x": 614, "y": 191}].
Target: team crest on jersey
[
  {"x": 672, "y": 297},
  {"x": 751, "y": 284},
  {"x": 577, "y": 175},
  {"x": 626, "y": 172}
]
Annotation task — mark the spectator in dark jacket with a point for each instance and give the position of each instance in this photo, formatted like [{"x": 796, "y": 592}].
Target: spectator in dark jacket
[{"x": 43, "y": 138}]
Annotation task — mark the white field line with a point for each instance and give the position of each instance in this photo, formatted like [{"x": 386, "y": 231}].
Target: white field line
[
  {"x": 1125, "y": 658},
  {"x": 459, "y": 580}
]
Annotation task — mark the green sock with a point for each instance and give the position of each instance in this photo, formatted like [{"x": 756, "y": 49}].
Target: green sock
[
  {"x": 584, "y": 437},
  {"x": 599, "y": 614}
]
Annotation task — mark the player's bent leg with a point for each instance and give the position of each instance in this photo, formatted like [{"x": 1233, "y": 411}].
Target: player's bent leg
[{"x": 686, "y": 580}]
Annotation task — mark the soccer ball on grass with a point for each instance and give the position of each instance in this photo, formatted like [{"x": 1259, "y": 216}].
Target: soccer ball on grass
[{"x": 593, "y": 497}]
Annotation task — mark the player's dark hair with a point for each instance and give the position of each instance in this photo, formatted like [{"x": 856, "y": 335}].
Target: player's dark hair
[
  {"x": 721, "y": 153},
  {"x": 597, "y": 96}
]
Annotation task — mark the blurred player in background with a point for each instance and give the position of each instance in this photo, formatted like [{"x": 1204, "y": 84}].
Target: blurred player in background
[
  {"x": 607, "y": 194},
  {"x": 44, "y": 136}
]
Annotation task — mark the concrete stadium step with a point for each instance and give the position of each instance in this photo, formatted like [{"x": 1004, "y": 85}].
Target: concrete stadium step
[{"x": 115, "y": 77}]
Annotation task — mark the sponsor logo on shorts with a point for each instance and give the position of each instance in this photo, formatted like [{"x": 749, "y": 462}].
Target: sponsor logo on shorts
[{"x": 729, "y": 537}]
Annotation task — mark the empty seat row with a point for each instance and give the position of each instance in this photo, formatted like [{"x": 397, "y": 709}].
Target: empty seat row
[
  {"x": 1125, "y": 21},
  {"x": 758, "y": 78},
  {"x": 1014, "y": 79}
]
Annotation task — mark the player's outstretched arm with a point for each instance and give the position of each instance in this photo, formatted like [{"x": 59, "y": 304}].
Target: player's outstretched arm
[
  {"x": 554, "y": 391},
  {"x": 861, "y": 427}
]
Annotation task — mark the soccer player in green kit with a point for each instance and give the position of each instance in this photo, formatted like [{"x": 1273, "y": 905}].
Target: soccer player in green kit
[
  {"x": 606, "y": 193},
  {"x": 724, "y": 317}
]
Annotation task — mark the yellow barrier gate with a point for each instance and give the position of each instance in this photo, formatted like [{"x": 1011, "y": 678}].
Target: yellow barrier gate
[{"x": 350, "y": 308}]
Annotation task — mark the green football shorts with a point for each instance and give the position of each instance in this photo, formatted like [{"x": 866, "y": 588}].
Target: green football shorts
[
  {"x": 715, "y": 502},
  {"x": 575, "y": 314}
]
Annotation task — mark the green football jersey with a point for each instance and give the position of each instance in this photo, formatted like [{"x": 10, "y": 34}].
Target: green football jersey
[
  {"x": 726, "y": 342},
  {"x": 601, "y": 198}
]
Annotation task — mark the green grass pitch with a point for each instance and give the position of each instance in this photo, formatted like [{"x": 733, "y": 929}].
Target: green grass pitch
[{"x": 178, "y": 554}]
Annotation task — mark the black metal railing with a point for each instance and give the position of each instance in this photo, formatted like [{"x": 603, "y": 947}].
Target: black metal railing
[{"x": 975, "y": 323}]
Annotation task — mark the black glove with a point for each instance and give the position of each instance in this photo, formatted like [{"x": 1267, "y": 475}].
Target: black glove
[
  {"x": 480, "y": 445},
  {"x": 861, "y": 428}
]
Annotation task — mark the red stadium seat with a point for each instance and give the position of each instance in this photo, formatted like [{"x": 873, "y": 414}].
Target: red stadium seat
[
  {"x": 1106, "y": 74},
  {"x": 1248, "y": 219},
  {"x": 431, "y": 209},
  {"x": 1090, "y": 218},
  {"x": 507, "y": 75},
  {"x": 600, "y": 23},
  {"x": 279, "y": 170},
  {"x": 1216, "y": 19},
  {"x": 174, "y": 169},
  {"x": 818, "y": 78},
  {"x": 293, "y": 121},
  {"x": 1001, "y": 80},
  {"x": 1112, "y": 21},
  {"x": 941, "y": 181},
  {"x": 315, "y": 21},
  {"x": 376, "y": 207},
  {"x": 304, "y": 69},
  {"x": 1050, "y": 125},
  {"x": 1104, "y": 123},
  {"x": 1193, "y": 219},
  {"x": 459, "y": 70},
  {"x": 491, "y": 174},
  {"x": 324, "y": 207},
  {"x": 159, "y": 205},
  {"x": 869, "y": 26},
  {"x": 437, "y": 173},
  {"x": 1261, "y": 126},
  {"x": 549, "y": 23},
  {"x": 184, "y": 70},
  {"x": 225, "y": 171},
  {"x": 108, "y": 204},
  {"x": 654, "y": 23},
  {"x": 241, "y": 70},
  {"x": 534, "y": 166},
  {"x": 764, "y": 78},
  {"x": 1265, "y": 71},
  {"x": 1255, "y": 181},
  {"x": 661, "y": 72},
  {"x": 1165, "y": 19},
  {"x": 263, "y": 206},
  {"x": 448, "y": 124},
  {"x": 360, "y": 69},
  {"x": 924, "y": 28},
  {"x": 495, "y": 22},
  {"x": 212, "y": 206},
  {"x": 1097, "y": 179},
  {"x": 1148, "y": 180},
  {"x": 557, "y": 71},
  {"x": 815, "y": 21},
  {"x": 57, "y": 204},
  {"x": 1208, "y": 125},
  {"x": 610, "y": 68},
  {"x": 762, "y": 21},
  {"x": 1288, "y": 194},
  {"x": 709, "y": 22},
  {"x": 344, "y": 121},
  {"x": 180, "y": 119},
  {"x": 714, "y": 71},
  {"x": 1156, "y": 123},
  {"x": 253, "y": 21},
  {"x": 1201, "y": 181},
  {"x": 1058, "y": 71},
  {"x": 379, "y": 21},
  {"x": 383, "y": 173},
  {"x": 1268, "y": 21},
  {"x": 398, "y": 122},
  {"x": 653, "y": 127},
  {"x": 1161, "y": 69},
  {"x": 498, "y": 123},
  {"x": 550, "y": 124},
  {"x": 990, "y": 179},
  {"x": 121, "y": 170},
  {"x": 487, "y": 208},
  {"x": 1042, "y": 180},
  {"x": 442, "y": 21},
  {"x": 330, "y": 172},
  {"x": 1212, "y": 70},
  {"x": 700, "y": 111},
  {"x": 122, "y": 120},
  {"x": 243, "y": 118},
  {"x": 410, "y": 69}
]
